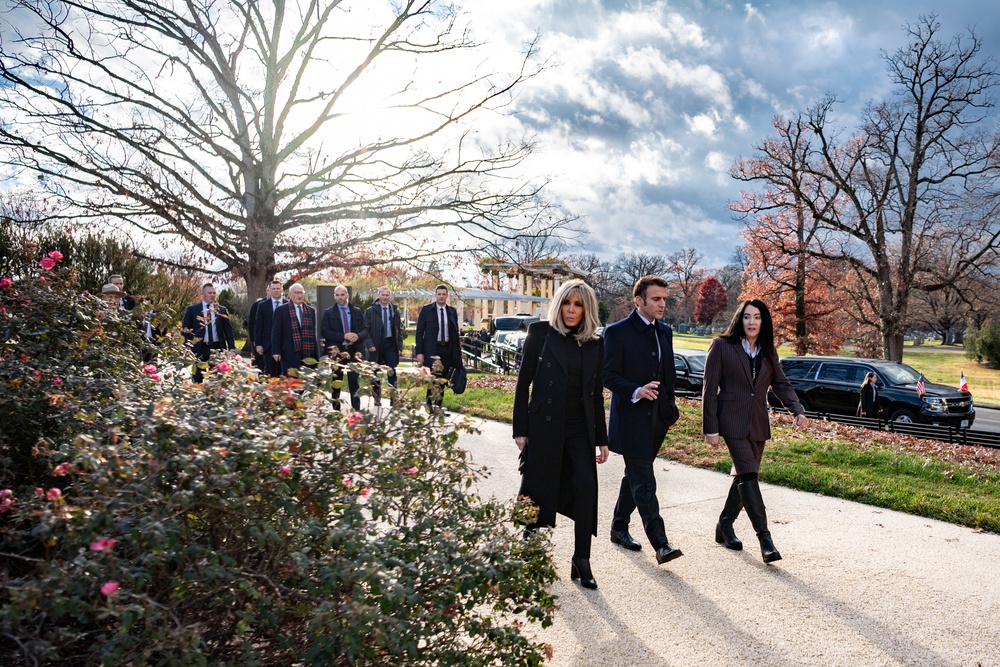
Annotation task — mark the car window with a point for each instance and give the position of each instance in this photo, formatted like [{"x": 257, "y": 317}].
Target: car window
[
  {"x": 697, "y": 362},
  {"x": 899, "y": 374},
  {"x": 679, "y": 364},
  {"x": 838, "y": 373},
  {"x": 799, "y": 369}
]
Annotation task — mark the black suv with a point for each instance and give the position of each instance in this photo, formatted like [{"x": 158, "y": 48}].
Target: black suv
[
  {"x": 832, "y": 385},
  {"x": 690, "y": 368}
]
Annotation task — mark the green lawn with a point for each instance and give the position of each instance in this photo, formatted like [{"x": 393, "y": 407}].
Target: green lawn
[{"x": 951, "y": 483}]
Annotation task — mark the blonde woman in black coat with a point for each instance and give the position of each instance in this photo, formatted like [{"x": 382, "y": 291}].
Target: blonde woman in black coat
[
  {"x": 559, "y": 420},
  {"x": 741, "y": 364}
]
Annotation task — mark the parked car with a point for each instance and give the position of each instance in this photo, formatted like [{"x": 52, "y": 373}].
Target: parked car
[
  {"x": 507, "y": 353},
  {"x": 518, "y": 322},
  {"x": 690, "y": 368},
  {"x": 832, "y": 385}
]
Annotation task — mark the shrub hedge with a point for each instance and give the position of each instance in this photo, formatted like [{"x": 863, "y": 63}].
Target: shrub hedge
[{"x": 146, "y": 520}]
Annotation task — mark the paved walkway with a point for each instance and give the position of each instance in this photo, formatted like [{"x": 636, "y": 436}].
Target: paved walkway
[{"x": 858, "y": 586}]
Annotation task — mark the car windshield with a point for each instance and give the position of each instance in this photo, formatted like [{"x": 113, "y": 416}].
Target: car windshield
[
  {"x": 697, "y": 362},
  {"x": 899, "y": 374}
]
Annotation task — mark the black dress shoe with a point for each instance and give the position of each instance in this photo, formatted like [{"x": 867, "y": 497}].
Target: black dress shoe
[
  {"x": 580, "y": 569},
  {"x": 667, "y": 554},
  {"x": 624, "y": 539}
]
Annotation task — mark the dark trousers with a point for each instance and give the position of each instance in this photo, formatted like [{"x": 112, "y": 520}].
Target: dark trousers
[
  {"x": 387, "y": 355},
  {"x": 204, "y": 354},
  {"x": 269, "y": 365},
  {"x": 352, "y": 386},
  {"x": 445, "y": 352},
  {"x": 578, "y": 458},
  {"x": 638, "y": 492}
]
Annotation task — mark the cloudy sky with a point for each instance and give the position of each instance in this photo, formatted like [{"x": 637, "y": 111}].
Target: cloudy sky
[{"x": 647, "y": 104}]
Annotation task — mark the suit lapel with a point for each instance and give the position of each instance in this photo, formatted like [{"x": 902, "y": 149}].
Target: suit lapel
[
  {"x": 744, "y": 361},
  {"x": 557, "y": 344}
]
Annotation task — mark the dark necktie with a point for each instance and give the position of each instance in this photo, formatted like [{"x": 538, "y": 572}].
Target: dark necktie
[
  {"x": 343, "y": 317},
  {"x": 208, "y": 326},
  {"x": 298, "y": 314},
  {"x": 442, "y": 327},
  {"x": 385, "y": 322}
]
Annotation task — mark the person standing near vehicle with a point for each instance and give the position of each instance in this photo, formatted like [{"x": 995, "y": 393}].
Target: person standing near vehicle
[
  {"x": 741, "y": 364},
  {"x": 869, "y": 396},
  {"x": 559, "y": 427}
]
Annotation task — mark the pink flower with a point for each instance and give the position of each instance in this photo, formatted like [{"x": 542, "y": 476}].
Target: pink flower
[
  {"x": 56, "y": 255},
  {"x": 223, "y": 367},
  {"x": 284, "y": 471},
  {"x": 355, "y": 418},
  {"x": 48, "y": 263},
  {"x": 39, "y": 491},
  {"x": 101, "y": 545},
  {"x": 109, "y": 588},
  {"x": 61, "y": 469},
  {"x": 57, "y": 381},
  {"x": 149, "y": 368},
  {"x": 5, "y": 493},
  {"x": 2, "y": 309},
  {"x": 411, "y": 471},
  {"x": 155, "y": 378},
  {"x": 5, "y": 283},
  {"x": 5, "y": 504},
  {"x": 348, "y": 481},
  {"x": 366, "y": 492},
  {"x": 37, "y": 374},
  {"x": 53, "y": 494},
  {"x": 41, "y": 279}
]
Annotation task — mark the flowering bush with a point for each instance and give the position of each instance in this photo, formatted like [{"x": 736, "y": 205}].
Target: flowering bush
[{"x": 238, "y": 521}]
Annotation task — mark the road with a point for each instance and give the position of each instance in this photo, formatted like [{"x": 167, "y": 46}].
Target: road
[{"x": 987, "y": 419}]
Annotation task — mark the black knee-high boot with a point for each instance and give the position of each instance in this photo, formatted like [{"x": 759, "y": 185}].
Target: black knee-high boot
[
  {"x": 754, "y": 504},
  {"x": 724, "y": 533}
]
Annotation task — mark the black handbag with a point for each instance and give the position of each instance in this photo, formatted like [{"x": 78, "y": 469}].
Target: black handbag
[{"x": 458, "y": 379}]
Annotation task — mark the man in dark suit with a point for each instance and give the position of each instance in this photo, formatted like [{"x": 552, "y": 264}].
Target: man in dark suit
[
  {"x": 125, "y": 301},
  {"x": 293, "y": 332},
  {"x": 438, "y": 339},
  {"x": 344, "y": 329},
  {"x": 263, "y": 323},
  {"x": 385, "y": 338},
  {"x": 639, "y": 371},
  {"x": 206, "y": 328}
]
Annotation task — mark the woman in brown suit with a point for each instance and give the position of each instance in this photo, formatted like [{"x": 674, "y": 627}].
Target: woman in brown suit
[
  {"x": 560, "y": 427},
  {"x": 741, "y": 364}
]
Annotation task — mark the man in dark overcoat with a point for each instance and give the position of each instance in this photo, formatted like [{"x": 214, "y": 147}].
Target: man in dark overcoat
[
  {"x": 344, "y": 328},
  {"x": 384, "y": 343},
  {"x": 263, "y": 323},
  {"x": 438, "y": 338},
  {"x": 206, "y": 328},
  {"x": 542, "y": 418},
  {"x": 639, "y": 371},
  {"x": 293, "y": 331}
]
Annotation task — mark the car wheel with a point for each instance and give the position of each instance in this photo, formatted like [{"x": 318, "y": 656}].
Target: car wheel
[{"x": 903, "y": 417}]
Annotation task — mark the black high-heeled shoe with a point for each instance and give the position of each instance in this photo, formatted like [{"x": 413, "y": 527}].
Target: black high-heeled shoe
[{"x": 580, "y": 569}]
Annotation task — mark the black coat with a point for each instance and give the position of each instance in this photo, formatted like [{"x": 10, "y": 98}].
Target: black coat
[
  {"x": 333, "y": 330},
  {"x": 264, "y": 322},
  {"x": 427, "y": 331},
  {"x": 282, "y": 340},
  {"x": 541, "y": 417},
  {"x": 193, "y": 327},
  {"x": 869, "y": 397},
  {"x": 376, "y": 333},
  {"x": 630, "y": 361}
]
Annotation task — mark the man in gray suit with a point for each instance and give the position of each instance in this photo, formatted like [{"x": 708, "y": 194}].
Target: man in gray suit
[{"x": 385, "y": 338}]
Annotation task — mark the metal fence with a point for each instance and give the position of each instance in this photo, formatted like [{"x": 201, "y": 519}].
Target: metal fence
[{"x": 949, "y": 434}]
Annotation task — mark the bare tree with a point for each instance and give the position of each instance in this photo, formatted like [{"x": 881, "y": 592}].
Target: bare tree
[
  {"x": 628, "y": 267},
  {"x": 267, "y": 137},
  {"x": 920, "y": 172},
  {"x": 686, "y": 274}
]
